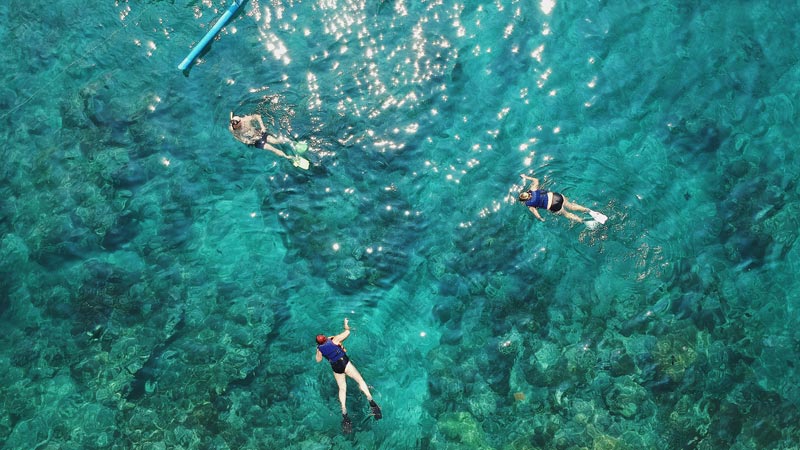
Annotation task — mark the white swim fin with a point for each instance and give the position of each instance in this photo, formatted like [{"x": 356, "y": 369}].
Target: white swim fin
[
  {"x": 299, "y": 147},
  {"x": 598, "y": 216},
  {"x": 299, "y": 161}
]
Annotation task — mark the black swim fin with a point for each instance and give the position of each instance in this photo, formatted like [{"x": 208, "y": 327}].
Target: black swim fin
[
  {"x": 376, "y": 410},
  {"x": 347, "y": 425}
]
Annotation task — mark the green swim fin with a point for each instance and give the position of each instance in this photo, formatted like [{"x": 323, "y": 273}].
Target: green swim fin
[{"x": 300, "y": 147}]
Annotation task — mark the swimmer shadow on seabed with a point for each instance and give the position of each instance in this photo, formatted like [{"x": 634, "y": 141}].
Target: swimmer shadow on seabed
[
  {"x": 707, "y": 139},
  {"x": 144, "y": 378}
]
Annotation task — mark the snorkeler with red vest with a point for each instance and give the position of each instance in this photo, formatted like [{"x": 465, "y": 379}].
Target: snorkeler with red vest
[
  {"x": 535, "y": 199},
  {"x": 331, "y": 349}
]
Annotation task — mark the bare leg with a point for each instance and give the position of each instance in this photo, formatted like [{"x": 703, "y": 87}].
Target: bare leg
[
  {"x": 570, "y": 216},
  {"x": 574, "y": 206},
  {"x": 353, "y": 373},
  {"x": 278, "y": 140},
  {"x": 567, "y": 205},
  {"x": 342, "y": 382},
  {"x": 272, "y": 149}
]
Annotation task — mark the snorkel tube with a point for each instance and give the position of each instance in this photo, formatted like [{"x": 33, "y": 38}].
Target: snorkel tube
[{"x": 210, "y": 35}]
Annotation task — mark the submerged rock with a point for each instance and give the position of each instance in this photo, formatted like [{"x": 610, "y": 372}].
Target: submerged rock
[{"x": 462, "y": 427}]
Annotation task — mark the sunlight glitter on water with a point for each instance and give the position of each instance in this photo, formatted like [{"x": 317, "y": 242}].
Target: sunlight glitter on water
[{"x": 390, "y": 68}]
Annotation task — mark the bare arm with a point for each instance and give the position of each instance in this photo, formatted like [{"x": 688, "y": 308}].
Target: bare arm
[
  {"x": 534, "y": 182},
  {"x": 536, "y": 213},
  {"x": 344, "y": 334},
  {"x": 319, "y": 356}
]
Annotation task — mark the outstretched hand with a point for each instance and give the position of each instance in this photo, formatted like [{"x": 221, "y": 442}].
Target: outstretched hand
[
  {"x": 534, "y": 181},
  {"x": 346, "y": 324}
]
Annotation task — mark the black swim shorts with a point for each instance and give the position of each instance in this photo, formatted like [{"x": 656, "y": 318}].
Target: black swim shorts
[
  {"x": 339, "y": 365},
  {"x": 558, "y": 202},
  {"x": 261, "y": 143}
]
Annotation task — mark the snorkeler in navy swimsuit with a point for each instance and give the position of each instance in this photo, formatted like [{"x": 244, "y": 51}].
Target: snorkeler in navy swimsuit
[
  {"x": 540, "y": 199},
  {"x": 331, "y": 349},
  {"x": 536, "y": 199}
]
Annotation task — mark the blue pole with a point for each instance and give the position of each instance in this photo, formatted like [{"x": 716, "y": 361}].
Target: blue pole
[{"x": 210, "y": 35}]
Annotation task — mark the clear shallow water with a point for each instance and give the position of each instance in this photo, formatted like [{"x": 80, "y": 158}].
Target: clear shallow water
[{"x": 201, "y": 269}]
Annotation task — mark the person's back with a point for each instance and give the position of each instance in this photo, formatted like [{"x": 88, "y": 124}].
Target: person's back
[
  {"x": 244, "y": 130},
  {"x": 537, "y": 199}
]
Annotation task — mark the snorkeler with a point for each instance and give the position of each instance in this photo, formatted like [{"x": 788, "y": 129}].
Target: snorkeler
[
  {"x": 244, "y": 130},
  {"x": 331, "y": 348},
  {"x": 536, "y": 198}
]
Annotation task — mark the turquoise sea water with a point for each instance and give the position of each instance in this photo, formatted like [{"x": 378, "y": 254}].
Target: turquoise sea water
[{"x": 161, "y": 284}]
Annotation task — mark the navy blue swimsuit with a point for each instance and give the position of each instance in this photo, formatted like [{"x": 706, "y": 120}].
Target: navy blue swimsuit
[
  {"x": 262, "y": 143},
  {"x": 539, "y": 200},
  {"x": 335, "y": 354}
]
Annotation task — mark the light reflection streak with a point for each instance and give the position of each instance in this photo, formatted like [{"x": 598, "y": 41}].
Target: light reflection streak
[
  {"x": 508, "y": 30},
  {"x": 547, "y": 6},
  {"x": 313, "y": 88},
  {"x": 503, "y": 113},
  {"x": 537, "y": 53},
  {"x": 412, "y": 62},
  {"x": 152, "y": 107},
  {"x": 385, "y": 80},
  {"x": 152, "y": 47},
  {"x": 543, "y": 77}
]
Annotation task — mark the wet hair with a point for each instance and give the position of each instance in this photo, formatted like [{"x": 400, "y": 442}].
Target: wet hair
[{"x": 321, "y": 339}]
